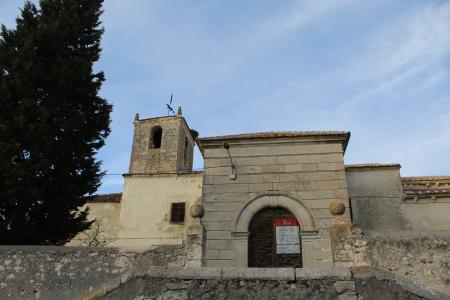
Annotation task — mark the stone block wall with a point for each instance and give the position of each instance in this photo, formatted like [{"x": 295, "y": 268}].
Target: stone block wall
[
  {"x": 311, "y": 173},
  {"x": 33, "y": 272}
]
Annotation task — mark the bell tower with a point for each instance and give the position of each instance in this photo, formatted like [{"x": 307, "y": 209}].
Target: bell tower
[{"x": 162, "y": 145}]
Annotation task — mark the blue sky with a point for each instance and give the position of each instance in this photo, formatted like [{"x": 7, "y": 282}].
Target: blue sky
[{"x": 380, "y": 69}]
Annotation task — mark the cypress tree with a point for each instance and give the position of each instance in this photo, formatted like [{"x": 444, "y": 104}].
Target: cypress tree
[{"x": 52, "y": 121}]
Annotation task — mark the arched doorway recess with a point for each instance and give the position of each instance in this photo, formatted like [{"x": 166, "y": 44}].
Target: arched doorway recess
[
  {"x": 274, "y": 239},
  {"x": 284, "y": 200}
]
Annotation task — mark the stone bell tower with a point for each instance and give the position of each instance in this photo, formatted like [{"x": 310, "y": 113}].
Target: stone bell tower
[{"x": 162, "y": 145}]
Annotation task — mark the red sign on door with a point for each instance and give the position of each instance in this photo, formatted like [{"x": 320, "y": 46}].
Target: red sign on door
[
  {"x": 287, "y": 235},
  {"x": 285, "y": 222}
]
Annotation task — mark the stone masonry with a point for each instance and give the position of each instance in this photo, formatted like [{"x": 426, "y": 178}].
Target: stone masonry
[
  {"x": 299, "y": 171},
  {"x": 169, "y": 157}
]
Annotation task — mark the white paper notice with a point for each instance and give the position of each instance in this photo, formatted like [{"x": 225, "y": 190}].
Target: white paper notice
[{"x": 287, "y": 239}]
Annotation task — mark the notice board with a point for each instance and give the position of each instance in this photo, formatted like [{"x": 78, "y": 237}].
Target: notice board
[{"x": 287, "y": 235}]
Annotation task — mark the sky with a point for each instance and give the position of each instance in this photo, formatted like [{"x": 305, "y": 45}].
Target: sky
[{"x": 379, "y": 69}]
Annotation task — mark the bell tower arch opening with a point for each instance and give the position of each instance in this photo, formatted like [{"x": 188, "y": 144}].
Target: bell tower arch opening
[
  {"x": 155, "y": 137},
  {"x": 274, "y": 239},
  {"x": 162, "y": 145}
]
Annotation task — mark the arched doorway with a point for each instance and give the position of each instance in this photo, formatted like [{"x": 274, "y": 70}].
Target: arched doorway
[{"x": 274, "y": 239}]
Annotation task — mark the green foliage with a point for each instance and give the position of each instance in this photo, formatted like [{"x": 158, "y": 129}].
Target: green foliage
[{"x": 52, "y": 121}]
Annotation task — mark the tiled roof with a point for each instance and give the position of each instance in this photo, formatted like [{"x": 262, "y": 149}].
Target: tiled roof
[
  {"x": 275, "y": 134},
  {"x": 114, "y": 197},
  {"x": 426, "y": 186},
  {"x": 364, "y": 166}
]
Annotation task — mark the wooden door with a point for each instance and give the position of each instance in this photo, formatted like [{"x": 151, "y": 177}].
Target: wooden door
[{"x": 262, "y": 246}]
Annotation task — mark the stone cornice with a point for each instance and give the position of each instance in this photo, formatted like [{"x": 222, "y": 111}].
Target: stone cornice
[{"x": 278, "y": 138}]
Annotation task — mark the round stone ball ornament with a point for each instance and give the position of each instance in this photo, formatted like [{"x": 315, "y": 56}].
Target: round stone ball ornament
[
  {"x": 197, "y": 211},
  {"x": 337, "y": 208}
]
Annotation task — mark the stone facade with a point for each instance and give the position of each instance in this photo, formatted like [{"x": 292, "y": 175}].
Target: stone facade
[{"x": 302, "y": 172}]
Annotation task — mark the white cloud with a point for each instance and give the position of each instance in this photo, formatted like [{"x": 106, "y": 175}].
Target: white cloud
[{"x": 301, "y": 14}]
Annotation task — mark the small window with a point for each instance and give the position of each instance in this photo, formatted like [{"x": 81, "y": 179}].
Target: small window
[
  {"x": 155, "y": 138},
  {"x": 186, "y": 148},
  {"x": 177, "y": 212}
]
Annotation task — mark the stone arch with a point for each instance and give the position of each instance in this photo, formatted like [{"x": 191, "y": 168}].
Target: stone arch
[
  {"x": 272, "y": 199},
  {"x": 155, "y": 137},
  {"x": 286, "y": 200}
]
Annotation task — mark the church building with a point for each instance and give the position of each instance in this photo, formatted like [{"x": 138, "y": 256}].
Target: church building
[{"x": 269, "y": 199}]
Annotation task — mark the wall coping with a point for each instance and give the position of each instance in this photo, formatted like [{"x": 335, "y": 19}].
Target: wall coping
[
  {"x": 270, "y": 274},
  {"x": 165, "y": 174},
  {"x": 361, "y": 167},
  {"x": 85, "y": 249}
]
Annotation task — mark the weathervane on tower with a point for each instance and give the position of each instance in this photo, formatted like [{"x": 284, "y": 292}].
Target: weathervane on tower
[{"x": 169, "y": 106}]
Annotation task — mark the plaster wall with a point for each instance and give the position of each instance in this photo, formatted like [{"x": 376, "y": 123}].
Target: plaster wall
[
  {"x": 428, "y": 213},
  {"x": 106, "y": 216},
  {"x": 376, "y": 196},
  {"x": 302, "y": 176},
  {"x": 378, "y": 203},
  {"x": 146, "y": 204}
]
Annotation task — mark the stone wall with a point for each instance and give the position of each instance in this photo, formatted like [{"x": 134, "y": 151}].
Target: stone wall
[
  {"x": 106, "y": 273},
  {"x": 304, "y": 172},
  {"x": 231, "y": 283},
  {"x": 31, "y": 272},
  {"x": 422, "y": 256}
]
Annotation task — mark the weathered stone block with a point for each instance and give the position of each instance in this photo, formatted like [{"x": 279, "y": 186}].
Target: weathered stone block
[
  {"x": 323, "y": 254},
  {"x": 226, "y": 188},
  {"x": 259, "y": 273},
  {"x": 219, "y": 244},
  {"x": 272, "y": 169},
  {"x": 219, "y": 263},
  {"x": 260, "y": 187},
  {"x": 223, "y": 206},
  {"x": 226, "y": 254},
  {"x": 194, "y": 273},
  {"x": 218, "y": 235},
  {"x": 330, "y": 166},
  {"x": 301, "y": 168},
  {"x": 344, "y": 286},
  {"x": 211, "y": 254},
  {"x": 216, "y": 216},
  {"x": 323, "y": 272},
  {"x": 271, "y": 178}
]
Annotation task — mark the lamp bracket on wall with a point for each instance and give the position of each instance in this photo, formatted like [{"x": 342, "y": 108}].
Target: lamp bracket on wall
[{"x": 233, "y": 169}]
